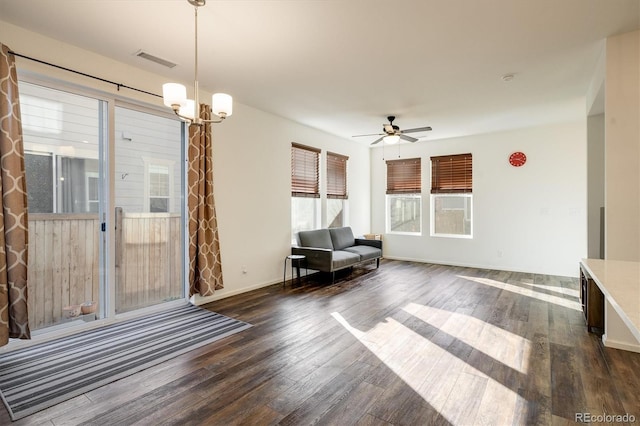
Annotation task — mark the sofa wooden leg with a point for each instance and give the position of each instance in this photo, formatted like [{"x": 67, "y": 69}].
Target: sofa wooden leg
[{"x": 377, "y": 262}]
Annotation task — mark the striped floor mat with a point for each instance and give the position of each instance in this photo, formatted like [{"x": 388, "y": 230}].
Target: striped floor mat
[{"x": 35, "y": 378}]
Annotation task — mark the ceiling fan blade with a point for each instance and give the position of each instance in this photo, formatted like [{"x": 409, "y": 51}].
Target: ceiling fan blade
[
  {"x": 407, "y": 138},
  {"x": 417, "y": 129},
  {"x": 388, "y": 128},
  {"x": 378, "y": 140},
  {"x": 371, "y": 134}
]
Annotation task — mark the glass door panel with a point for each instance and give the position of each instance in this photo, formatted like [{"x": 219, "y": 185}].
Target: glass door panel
[
  {"x": 148, "y": 199},
  {"x": 62, "y": 135}
]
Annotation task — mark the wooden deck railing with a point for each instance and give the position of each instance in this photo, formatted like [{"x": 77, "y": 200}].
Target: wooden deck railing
[{"x": 64, "y": 262}]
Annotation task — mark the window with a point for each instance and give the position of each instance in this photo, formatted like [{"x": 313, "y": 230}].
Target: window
[
  {"x": 39, "y": 176},
  {"x": 60, "y": 184},
  {"x": 93, "y": 198},
  {"x": 67, "y": 139},
  {"x": 404, "y": 199},
  {"x": 61, "y": 133},
  {"x": 305, "y": 188},
  {"x": 451, "y": 197},
  {"x": 159, "y": 188},
  {"x": 336, "y": 189}
]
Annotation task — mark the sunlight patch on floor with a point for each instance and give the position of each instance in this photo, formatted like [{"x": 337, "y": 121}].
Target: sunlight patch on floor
[
  {"x": 561, "y": 290},
  {"x": 502, "y": 345},
  {"x": 442, "y": 379},
  {"x": 530, "y": 291}
]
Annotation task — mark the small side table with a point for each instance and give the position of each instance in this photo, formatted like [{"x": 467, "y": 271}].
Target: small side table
[{"x": 296, "y": 260}]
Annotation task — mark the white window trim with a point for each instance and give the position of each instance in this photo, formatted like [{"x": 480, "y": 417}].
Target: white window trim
[{"x": 433, "y": 216}]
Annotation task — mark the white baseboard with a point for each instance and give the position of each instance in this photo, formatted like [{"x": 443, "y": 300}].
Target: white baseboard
[
  {"x": 625, "y": 346},
  {"x": 221, "y": 294}
]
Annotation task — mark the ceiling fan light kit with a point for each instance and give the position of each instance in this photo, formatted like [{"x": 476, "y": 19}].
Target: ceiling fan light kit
[
  {"x": 392, "y": 134},
  {"x": 175, "y": 94}
]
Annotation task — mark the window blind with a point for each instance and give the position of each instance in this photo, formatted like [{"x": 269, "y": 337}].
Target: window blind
[
  {"x": 336, "y": 176},
  {"x": 404, "y": 176},
  {"x": 305, "y": 162},
  {"x": 451, "y": 174}
]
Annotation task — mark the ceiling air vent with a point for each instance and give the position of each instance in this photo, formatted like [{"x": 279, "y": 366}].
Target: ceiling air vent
[{"x": 153, "y": 58}]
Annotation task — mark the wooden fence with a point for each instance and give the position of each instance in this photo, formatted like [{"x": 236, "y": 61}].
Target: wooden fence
[
  {"x": 148, "y": 259},
  {"x": 64, "y": 262}
]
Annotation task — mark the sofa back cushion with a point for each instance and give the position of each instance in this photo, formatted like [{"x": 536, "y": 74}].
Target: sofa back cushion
[
  {"x": 342, "y": 237},
  {"x": 318, "y": 238}
]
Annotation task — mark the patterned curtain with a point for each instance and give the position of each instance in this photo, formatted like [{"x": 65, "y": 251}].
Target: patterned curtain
[
  {"x": 205, "y": 267},
  {"x": 14, "y": 315}
]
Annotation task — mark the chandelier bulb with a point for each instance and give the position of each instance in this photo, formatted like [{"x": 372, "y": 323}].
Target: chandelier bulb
[{"x": 175, "y": 95}]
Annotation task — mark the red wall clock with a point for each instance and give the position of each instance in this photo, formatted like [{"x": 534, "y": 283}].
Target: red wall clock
[{"x": 517, "y": 159}]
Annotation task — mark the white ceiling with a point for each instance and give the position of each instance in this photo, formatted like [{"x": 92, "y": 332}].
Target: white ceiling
[{"x": 344, "y": 65}]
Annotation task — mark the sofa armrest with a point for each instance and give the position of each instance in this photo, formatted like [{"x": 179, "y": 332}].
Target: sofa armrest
[
  {"x": 366, "y": 242},
  {"x": 318, "y": 259}
]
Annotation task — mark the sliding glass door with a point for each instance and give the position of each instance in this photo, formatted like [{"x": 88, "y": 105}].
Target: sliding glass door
[
  {"x": 148, "y": 199},
  {"x": 63, "y": 136},
  {"x": 105, "y": 194}
]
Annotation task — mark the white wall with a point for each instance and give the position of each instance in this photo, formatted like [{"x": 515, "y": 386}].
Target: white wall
[
  {"x": 620, "y": 77},
  {"x": 622, "y": 147},
  {"x": 595, "y": 184},
  {"x": 530, "y": 219},
  {"x": 251, "y": 162}
]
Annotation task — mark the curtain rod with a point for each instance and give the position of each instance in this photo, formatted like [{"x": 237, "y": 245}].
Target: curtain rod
[{"x": 118, "y": 85}]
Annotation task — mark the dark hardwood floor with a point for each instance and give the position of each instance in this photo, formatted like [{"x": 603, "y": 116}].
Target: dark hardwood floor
[{"x": 405, "y": 344}]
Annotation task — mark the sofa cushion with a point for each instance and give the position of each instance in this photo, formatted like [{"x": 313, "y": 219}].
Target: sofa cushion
[
  {"x": 342, "y": 258},
  {"x": 319, "y": 238},
  {"x": 365, "y": 252},
  {"x": 342, "y": 237}
]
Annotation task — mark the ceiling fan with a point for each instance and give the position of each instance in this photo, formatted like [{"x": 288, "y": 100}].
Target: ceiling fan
[{"x": 393, "y": 134}]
